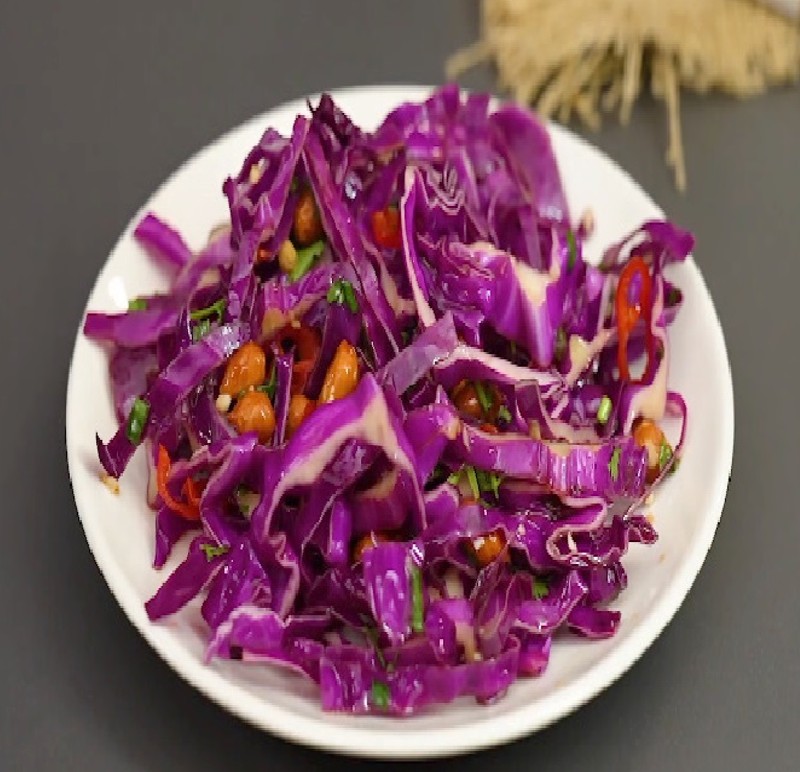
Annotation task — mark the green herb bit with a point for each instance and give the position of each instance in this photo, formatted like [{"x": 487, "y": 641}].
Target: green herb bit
[
  {"x": 417, "y": 600},
  {"x": 137, "y": 304},
  {"x": 604, "y": 411},
  {"x": 613, "y": 464},
  {"x": 484, "y": 397},
  {"x": 494, "y": 481},
  {"x": 200, "y": 330},
  {"x": 454, "y": 478},
  {"x": 472, "y": 479},
  {"x": 342, "y": 292},
  {"x": 305, "y": 259},
  {"x": 212, "y": 551},
  {"x": 350, "y": 298},
  {"x": 664, "y": 455},
  {"x": 489, "y": 481},
  {"x": 246, "y": 499},
  {"x": 380, "y": 695},
  {"x": 336, "y": 293},
  {"x": 504, "y": 414},
  {"x": 137, "y": 418},
  {"x": 540, "y": 588},
  {"x": 573, "y": 249},
  {"x": 269, "y": 387},
  {"x": 215, "y": 309}
]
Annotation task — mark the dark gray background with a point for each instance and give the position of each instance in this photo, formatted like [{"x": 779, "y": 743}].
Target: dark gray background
[{"x": 97, "y": 105}]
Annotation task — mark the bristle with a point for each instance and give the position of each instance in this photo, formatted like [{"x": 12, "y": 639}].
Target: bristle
[{"x": 577, "y": 56}]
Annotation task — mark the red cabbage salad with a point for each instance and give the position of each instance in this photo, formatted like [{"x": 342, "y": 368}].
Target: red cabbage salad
[{"x": 402, "y": 430}]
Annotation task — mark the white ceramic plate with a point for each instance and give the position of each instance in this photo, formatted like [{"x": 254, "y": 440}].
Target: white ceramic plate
[{"x": 120, "y": 528}]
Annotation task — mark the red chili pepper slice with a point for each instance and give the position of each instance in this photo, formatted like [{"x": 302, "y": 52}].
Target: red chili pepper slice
[
  {"x": 386, "y": 228},
  {"x": 188, "y": 511},
  {"x": 193, "y": 491},
  {"x": 629, "y": 313}
]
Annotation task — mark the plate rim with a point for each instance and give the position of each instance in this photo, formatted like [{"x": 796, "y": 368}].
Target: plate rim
[{"x": 385, "y": 743}]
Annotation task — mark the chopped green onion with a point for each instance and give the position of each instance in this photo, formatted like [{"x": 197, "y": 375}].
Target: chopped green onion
[
  {"x": 613, "y": 464},
  {"x": 215, "y": 309},
  {"x": 200, "y": 330},
  {"x": 494, "y": 480},
  {"x": 246, "y": 499},
  {"x": 212, "y": 551},
  {"x": 350, "y": 297},
  {"x": 573, "y": 249},
  {"x": 604, "y": 411},
  {"x": 336, "y": 293},
  {"x": 380, "y": 695},
  {"x": 137, "y": 304},
  {"x": 489, "y": 481},
  {"x": 269, "y": 387},
  {"x": 305, "y": 259},
  {"x": 137, "y": 418},
  {"x": 342, "y": 292},
  {"x": 504, "y": 414},
  {"x": 540, "y": 588},
  {"x": 664, "y": 455},
  {"x": 418, "y": 602},
  {"x": 480, "y": 481},
  {"x": 484, "y": 397},
  {"x": 472, "y": 479}
]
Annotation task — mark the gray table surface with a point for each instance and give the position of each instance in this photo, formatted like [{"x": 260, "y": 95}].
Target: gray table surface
[{"x": 99, "y": 102}]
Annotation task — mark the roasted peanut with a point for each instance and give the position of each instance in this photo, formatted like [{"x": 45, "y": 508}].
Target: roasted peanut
[
  {"x": 648, "y": 435},
  {"x": 256, "y": 170},
  {"x": 307, "y": 224},
  {"x": 254, "y": 413},
  {"x": 342, "y": 376},
  {"x": 287, "y": 256},
  {"x": 246, "y": 367},
  {"x": 489, "y": 547},
  {"x": 300, "y": 408},
  {"x": 465, "y": 398}
]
